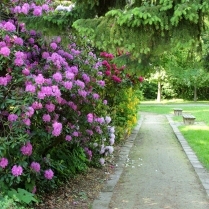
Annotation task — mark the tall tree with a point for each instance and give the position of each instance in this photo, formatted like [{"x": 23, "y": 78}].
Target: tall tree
[{"x": 138, "y": 30}]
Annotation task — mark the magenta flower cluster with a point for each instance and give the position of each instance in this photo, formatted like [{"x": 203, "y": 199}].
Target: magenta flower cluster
[{"x": 57, "y": 95}]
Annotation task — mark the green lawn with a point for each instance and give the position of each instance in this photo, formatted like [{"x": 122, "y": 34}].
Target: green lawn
[{"x": 197, "y": 135}]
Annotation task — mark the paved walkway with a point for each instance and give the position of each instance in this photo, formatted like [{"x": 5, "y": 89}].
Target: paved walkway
[{"x": 156, "y": 170}]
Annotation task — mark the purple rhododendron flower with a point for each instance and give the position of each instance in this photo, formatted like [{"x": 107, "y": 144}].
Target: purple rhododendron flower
[
  {"x": 3, "y": 162},
  {"x": 69, "y": 75},
  {"x": 5, "y": 51},
  {"x": 25, "y": 8},
  {"x": 27, "y": 121},
  {"x": 82, "y": 93},
  {"x": 3, "y": 81},
  {"x": 26, "y": 71},
  {"x": 53, "y": 46},
  {"x": 30, "y": 112},
  {"x": 8, "y": 26},
  {"x": 68, "y": 138},
  {"x": 96, "y": 96},
  {"x": 90, "y": 117},
  {"x": 17, "y": 170},
  {"x": 57, "y": 129},
  {"x": 18, "y": 62},
  {"x": 39, "y": 79},
  {"x": 48, "y": 174},
  {"x": 57, "y": 77},
  {"x": 37, "y": 11},
  {"x": 50, "y": 107},
  {"x": 37, "y": 105},
  {"x": 27, "y": 149},
  {"x": 30, "y": 88},
  {"x": 18, "y": 41},
  {"x": 68, "y": 85},
  {"x": 79, "y": 83},
  {"x": 35, "y": 166},
  {"x": 101, "y": 83},
  {"x": 105, "y": 102},
  {"x": 46, "y": 118},
  {"x": 12, "y": 117}
]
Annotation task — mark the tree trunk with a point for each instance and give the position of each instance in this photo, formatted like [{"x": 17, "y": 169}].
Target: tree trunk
[
  {"x": 195, "y": 93},
  {"x": 159, "y": 92}
]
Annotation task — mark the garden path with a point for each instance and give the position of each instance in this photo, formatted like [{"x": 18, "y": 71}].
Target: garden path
[{"x": 154, "y": 172}]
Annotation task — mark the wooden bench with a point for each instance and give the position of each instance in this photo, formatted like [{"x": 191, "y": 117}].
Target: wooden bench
[
  {"x": 177, "y": 111},
  {"x": 188, "y": 119}
]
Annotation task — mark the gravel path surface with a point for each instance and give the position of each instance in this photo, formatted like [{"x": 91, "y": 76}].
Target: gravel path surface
[{"x": 157, "y": 174}]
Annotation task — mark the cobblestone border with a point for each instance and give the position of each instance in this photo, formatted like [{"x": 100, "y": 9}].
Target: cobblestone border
[
  {"x": 202, "y": 173},
  {"x": 102, "y": 202}
]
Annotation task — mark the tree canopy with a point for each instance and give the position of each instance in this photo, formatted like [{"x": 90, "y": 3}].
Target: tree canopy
[{"x": 139, "y": 31}]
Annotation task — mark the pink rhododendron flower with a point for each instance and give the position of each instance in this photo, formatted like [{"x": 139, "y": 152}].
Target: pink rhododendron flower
[
  {"x": 30, "y": 112},
  {"x": 27, "y": 121},
  {"x": 18, "y": 41},
  {"x": 12, "y": 117},
  {"x": 105, "y": 102},
  {"x": 57, "y": 77},
  {"x": 116, "y": 79},
  {"x": 46, "y": 118},
  {"x": 79, "y": 83},
  {"x": 17, "y": 170},
  {"x": 30, "y": 88},
  {"x": 90, "y": 132},
  {"x": 41, "y": 95},
  {"x": 35, "y": 166},
  {"x": 3, "y": 162},
  {"x": 3, "y": 81},
  {"x": 56, "y": 91},
  {"x": 48, "y": 174},
  {"x": 26, "y": 71},
  {"x": 39, "y": 79},
  {"x": 8, "y": 26},
  {"x": 101, "y": 83},
  {"x": 5, "y": 51},
  {"x": 68, "y": 138},
  {"x": 90, "y": 117},
  {"x": 50, "y": 107},
  {"x": 37, "y": 105},
  {"x": 27, "y": 149},
  {"x": 53, "y": 46},
  {"x": 45, "y": 7},
  {"x": 96, "y": 96},
  {"x": 82, "y": 93},
  {"x": 75, "y": 133},
  {"x": 68, "y": 85},
  {"x": 45, "y": 55},
  {"x": 25, "y": 8},
  {"x": 141, "y": 79},
  {"x": 37, "y": 11},
  {"x": 57, "y": 129},
  {"x": 18, "y": 62},
  {"x": 86, "y": 78}
]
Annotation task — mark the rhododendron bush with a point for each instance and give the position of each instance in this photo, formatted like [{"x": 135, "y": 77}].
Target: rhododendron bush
[
  {"x": 53, "y": 119},
  {"x": 61, "y": 107},
  {"x": 123, "y": 93}
]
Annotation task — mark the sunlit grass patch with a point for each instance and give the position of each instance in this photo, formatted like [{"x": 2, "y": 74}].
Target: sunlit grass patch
[
  {"x": 198, "y": 138},
  {"x": 197, "y": 135}
]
